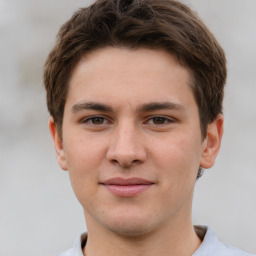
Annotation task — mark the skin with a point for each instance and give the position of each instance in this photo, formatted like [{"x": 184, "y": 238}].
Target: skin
[{"x": 132, "y": 113}]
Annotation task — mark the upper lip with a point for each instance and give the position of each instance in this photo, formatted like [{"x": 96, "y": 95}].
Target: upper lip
[{"x": 126, "y": 181}]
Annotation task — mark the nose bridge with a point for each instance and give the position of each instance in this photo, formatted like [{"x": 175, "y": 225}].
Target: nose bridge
[
  {"x": 125, "y": 138},
  {"x": 126, "y": 146}
]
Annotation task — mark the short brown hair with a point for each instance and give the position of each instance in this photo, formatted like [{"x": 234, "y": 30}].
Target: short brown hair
[{"x": 164, "y": 24}]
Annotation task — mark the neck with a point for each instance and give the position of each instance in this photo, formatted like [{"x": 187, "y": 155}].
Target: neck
[{"x": 172, "y": 240}]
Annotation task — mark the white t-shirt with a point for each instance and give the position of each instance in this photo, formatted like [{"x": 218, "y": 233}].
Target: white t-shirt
[{"x": 210, "y": 246}]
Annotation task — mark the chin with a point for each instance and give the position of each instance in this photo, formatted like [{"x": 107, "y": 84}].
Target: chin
[
  {"x": 133, "y": 225},
  {"x": 129, "y": 230}
]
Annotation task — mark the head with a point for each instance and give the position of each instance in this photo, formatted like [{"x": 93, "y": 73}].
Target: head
[{"x": 135, "y": 92}]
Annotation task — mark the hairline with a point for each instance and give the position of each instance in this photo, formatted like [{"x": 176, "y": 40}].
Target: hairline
[{"x": 191, "y": 82}]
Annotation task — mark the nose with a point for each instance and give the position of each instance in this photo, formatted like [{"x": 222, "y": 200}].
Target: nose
[{"x": 126, "y": 147}]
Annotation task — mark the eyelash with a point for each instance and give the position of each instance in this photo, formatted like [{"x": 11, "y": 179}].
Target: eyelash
[
  {"x": 166, "y": 120},
  {"x": 90, "y": 120}
]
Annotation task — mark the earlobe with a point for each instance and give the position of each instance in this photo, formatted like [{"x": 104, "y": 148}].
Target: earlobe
[
  {"x": 212, "y": 142},
  {"x": 60, "y": 153}
]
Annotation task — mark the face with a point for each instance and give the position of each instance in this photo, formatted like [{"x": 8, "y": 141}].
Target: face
[{"x": 132, "y": 141}]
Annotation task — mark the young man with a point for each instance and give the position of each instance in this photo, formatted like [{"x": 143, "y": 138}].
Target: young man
[{"x": 135, "y": 91}]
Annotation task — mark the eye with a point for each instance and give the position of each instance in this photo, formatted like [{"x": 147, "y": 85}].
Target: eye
[
  {"x": 95, "y": 120},
  {"x": 160, "y": 120}
]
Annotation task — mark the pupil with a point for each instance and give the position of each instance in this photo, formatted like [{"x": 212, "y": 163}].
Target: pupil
[
  {"x": 97, "y": 120},
  {"x": 159, "y": 120}
]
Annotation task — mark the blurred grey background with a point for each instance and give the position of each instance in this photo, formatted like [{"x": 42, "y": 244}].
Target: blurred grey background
[{"x": 39, "y": 214}]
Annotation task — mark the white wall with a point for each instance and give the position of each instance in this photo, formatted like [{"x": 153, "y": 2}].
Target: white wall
[{"x": 39, "y": 214}]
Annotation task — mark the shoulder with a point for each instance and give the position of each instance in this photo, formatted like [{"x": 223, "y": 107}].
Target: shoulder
[
  {"x": 211, "y": 246},
  {"x": 227, "y": 250},
  {"x": 77, "y": 247},
  {"x": 66, "y": 253},
  {"x": 235, "y": 251}
]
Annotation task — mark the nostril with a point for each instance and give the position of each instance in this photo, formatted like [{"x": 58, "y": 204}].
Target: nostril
[
  {"x": 125, "y": 164},
  {"x": 114, "y": 161}
]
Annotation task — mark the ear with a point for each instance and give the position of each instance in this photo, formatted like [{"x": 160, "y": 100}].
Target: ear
[
  {"x": 212, "y": 142},
  {"x": 60, "y": 153}
]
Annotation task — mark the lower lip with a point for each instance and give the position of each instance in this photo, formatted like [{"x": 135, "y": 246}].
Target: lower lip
[{"x": 128, "y": 190}]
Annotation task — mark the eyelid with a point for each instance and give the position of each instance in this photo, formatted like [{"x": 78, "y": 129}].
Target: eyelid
[
  {"x": 90, "y": 118},
  {"x": 167, "y": 118},
  {"x": 107, "y": 120}
]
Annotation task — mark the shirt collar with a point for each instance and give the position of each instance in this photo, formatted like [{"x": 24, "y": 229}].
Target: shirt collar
[{"x": 209, "y": 242}]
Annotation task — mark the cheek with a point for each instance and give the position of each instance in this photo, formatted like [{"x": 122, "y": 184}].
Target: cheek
[
  {"x": 83, "y": 159},
  {"x": 83, "y": 153},
  {"x": 179, "y": 157},
  {"x": 179, "y": 162}
]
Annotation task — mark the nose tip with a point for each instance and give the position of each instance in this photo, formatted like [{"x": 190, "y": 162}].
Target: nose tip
[
  {"x": 125, "y": 159},
  {"x": 126, "y": 148}
]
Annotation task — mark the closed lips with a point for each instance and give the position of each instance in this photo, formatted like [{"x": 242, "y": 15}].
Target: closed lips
[
  {"x": 126, "y": 182},
  {"x": 127, "y": 187}
]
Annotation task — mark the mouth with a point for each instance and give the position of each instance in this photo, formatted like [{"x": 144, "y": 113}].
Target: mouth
[{"x": 127, "y": 187}]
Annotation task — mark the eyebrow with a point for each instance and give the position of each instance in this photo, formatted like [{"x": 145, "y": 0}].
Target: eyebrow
[
  {"x": 161, "y": 106},
  {"x": 91, "y": 106},
  {"x": 148, "y": 107}
]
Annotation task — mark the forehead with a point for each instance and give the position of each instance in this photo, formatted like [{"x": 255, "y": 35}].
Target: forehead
[{"x": 121, "y": 75}]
